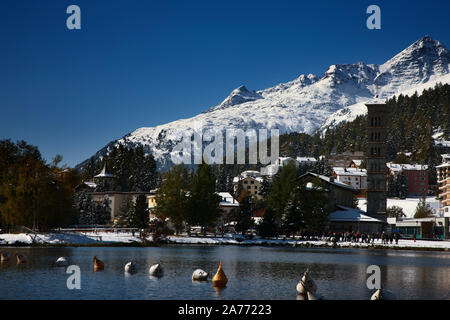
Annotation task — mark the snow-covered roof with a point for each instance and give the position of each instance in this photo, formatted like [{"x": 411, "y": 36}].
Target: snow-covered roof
[
  {"x": 227, "y": 199},
  {"x": 341, "y": 171},
  {"x": 306, "y": 159},
  {"x": 397, "y": 167},
  {"x": 104, "y": 173},
  {"x": 334, "y": 182},
  {"x": 345, "y": 214},
  {"x": 357, "y": 162},
  {"x": 270, "y": 170},
  {"x": 90, "y": 184},
  {"x": 252, "y": 174}
]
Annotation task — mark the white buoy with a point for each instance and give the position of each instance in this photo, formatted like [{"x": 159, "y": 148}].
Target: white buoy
[
  {"x": 383, "y": 294},
  {"x": 61, "y": 262},
  {"x": 156, "y": 270},
  {"x": 306, "y": 284},
  {"x": 130, "y": 267},
  {"x": 199, "y": 275}
]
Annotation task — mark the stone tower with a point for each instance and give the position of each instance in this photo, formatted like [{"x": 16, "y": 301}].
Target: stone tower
[{"x": 376, "y": 159}]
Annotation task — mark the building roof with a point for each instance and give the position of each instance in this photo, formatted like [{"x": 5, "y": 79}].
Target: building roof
[
  {"x": 227, "y": 200},
  {"x": 357, "y": 162},
  {"x": 104, "y": 173},
  {"x": 341, "y": 171},
  {"x": 345, "y": 214},
  {"x": 328, "y": 180},
  {"x": 270, "y": 170},
  {"x": 256, "y": 175},
  {"x": 397, "y": 167},
  {"x": 306, "y": 159}
]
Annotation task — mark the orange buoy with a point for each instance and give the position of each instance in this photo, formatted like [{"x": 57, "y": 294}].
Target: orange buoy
[
  {"x": 98, "y": 264},
  {"x": 220, "y": 279}
]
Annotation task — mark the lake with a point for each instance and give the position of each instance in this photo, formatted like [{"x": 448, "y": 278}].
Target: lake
[{"x": 253, "y": 273}]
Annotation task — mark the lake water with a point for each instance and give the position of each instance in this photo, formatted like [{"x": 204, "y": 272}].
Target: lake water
[{"x": 253, "y": 273}]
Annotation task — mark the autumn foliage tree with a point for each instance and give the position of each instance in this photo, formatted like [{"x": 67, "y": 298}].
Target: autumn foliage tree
[{"x": 33, "y": 193}]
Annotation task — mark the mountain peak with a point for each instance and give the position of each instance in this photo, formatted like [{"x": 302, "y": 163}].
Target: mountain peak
[
  {"x": 238, "y": 96},
  {"x": 306, "y": 102}
]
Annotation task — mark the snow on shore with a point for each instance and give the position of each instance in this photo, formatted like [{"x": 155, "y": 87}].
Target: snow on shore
[{"x": 125, "y": 237}]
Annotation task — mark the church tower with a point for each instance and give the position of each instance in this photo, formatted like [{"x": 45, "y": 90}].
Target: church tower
[{"x": 376, "y": 159}]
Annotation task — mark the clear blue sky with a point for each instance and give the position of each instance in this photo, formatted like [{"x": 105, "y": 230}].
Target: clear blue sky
[{"x": 142, "y": 63}]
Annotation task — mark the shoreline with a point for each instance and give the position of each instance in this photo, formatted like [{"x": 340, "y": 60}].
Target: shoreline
[{"x": 89, "y": 240}]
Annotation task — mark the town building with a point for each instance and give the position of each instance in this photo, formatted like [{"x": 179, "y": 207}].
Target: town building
[
  {"x": 274, "y": 168},
  {"x": 424, "y": 228},
  {"x": 416, "y": 177},
  {"x": 357, "y": 178},
  {"x": 306, "y": 161},
  {"x": 105, "y": 180},
  {"x": 345, "y": 219},
  {"x": 117, "y": 199},
  {"x": 103, "y": 188},
  {"x": 250, "y": 181},
  {"x": 376, "y": 160},
  {"x": 341, "y": 196},
  {"x": 443, "y": 179},
  {"x": 338, "y": 193},
  {"x": 355, "y": 164},
  {"x": 344, "y": 159},
  {"x": 227, "y": 203}
]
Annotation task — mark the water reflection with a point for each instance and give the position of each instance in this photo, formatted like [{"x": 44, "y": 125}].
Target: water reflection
[{"x": 252, "y": 272}]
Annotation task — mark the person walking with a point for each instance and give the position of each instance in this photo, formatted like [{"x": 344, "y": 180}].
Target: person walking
[{"x": 397, "y": 236}]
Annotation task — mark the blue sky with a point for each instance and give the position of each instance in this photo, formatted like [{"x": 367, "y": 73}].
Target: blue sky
[{"x": 142, "y": 63}]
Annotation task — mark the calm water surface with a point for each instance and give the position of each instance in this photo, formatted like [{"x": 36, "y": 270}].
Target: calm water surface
[{"x": 253, "y": 273}]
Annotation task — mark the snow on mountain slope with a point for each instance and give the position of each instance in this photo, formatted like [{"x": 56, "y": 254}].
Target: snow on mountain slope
[
  {"x": 350, "y": 113},
  {"x": 304, "y": 104}
]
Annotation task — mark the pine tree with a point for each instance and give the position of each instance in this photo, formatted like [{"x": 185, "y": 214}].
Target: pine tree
[
  {"x": 172, "y": 196},
  {"x": 423, "y": 210},
  {"x": 243, "y": 216},
  {"x": 141, "y": 216},
  {"x": 395, "y": 212},
  {"x": 268, "y": 226},
  {"x": 203, "y": 201}
]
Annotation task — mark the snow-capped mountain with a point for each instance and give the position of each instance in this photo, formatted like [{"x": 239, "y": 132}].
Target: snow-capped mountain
[
  {"x": 420, "y": 66},
  {"x": 306, "y": 103}
]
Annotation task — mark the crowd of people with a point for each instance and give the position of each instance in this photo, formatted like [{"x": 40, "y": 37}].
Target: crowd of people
[{"x": 365, "y": 237}]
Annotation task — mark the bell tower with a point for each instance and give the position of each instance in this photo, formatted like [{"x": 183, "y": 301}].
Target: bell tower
[{"x": 376, "y": 159}]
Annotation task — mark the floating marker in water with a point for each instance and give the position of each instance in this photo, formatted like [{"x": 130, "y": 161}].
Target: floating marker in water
[
  {"x": 61, "y": 262},
  {"x": 199, "y": 275},
  {"x": 98, "y": 264},
  {"x": 130, "y": 267},
  {"x": 220, "y": 279},
  {"x": 156, "y": 270},
  {"x": 306, "y": 284},
  {"x": 383, "y": 294}
]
